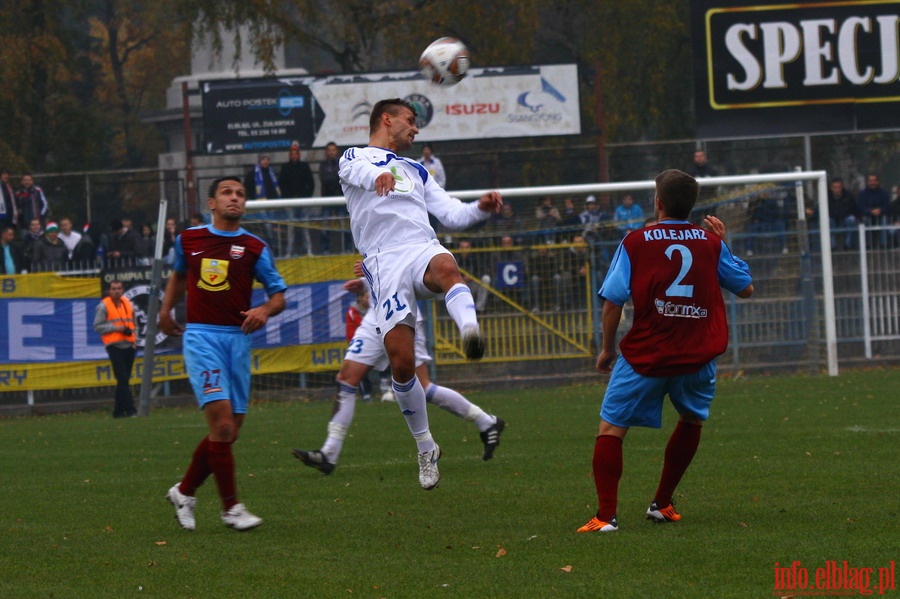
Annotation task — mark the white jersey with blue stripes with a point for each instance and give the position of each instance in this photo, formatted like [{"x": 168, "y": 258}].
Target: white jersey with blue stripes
[{"x": 401, "y": 217}]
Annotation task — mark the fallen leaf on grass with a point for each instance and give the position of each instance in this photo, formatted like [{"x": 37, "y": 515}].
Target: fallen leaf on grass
[
  {"x": 501, "y": 552},
  {"x": 566, "y": 568},
  {"x": 161, "y": 543}
]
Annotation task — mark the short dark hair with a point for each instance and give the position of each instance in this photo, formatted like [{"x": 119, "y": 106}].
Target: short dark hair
[
  {"x": 391, "y": 106},
  {"x": 678, "y": 192},
  {"x": 214, "y": 186}
]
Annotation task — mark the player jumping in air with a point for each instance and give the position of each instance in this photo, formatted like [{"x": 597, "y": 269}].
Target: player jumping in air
[{"x": 389, "y": 199}]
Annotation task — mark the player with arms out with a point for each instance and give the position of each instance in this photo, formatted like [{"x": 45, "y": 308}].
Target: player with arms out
[
  {"x": 673, "y": 272},
  {"x": 389, "y": 198},
  {"x": 216, "y": 266},
  {"x": 365, "y": 352}
]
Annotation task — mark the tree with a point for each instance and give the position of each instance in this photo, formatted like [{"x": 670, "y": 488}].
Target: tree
[
  {"x": 361, "y": 36},
  {"x": 130, "y": 40},
  {"x": 37, "y": 73}
]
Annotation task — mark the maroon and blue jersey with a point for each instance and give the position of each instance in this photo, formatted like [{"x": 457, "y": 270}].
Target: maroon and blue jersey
[
  {"x": 674, "y": 272},
  {"x": 221, "y": 267}
]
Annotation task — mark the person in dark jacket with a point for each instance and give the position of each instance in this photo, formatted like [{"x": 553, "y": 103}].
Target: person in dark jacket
[
  {"x": 50, "y": 253},
  {"x": 297, "y": 181}
]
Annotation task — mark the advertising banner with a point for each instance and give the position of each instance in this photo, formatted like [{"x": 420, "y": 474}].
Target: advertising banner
[
  {"x": 772, "y": 68},
  {"x": 47, "y": 340},
  {"x": 246, "y": 115}
]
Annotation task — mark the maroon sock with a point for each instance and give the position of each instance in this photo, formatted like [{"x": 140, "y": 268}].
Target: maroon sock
[
  {"x": 221, "y": 462},
  {"x": 198, "y": 471},
  {"x": 680, "y": 451},
  {"x": 607, "y": 465}
]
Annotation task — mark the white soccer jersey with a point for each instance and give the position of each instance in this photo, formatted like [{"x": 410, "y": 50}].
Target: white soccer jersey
[{"x": 401, "y": 217}]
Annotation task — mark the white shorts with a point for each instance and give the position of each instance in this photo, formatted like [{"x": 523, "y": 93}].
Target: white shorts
[
  {"x": 367, "y": 348},
  {"x": 396, "y": 280}
]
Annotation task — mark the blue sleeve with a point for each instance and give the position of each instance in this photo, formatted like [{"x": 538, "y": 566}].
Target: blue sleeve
[
  {"x": 180, "y": 265},
  {"x": 617, "y": 284},
  {"x": 734, "y": 273},
  {"x": 267, "y": 274}
]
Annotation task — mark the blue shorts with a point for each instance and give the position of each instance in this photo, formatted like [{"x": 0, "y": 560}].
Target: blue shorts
[
  {"x": 218, "y": 364},
  {"x": 632, "y": 399}
]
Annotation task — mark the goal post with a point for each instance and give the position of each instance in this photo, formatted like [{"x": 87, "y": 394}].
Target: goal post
[{"x": 761, "y": 325}]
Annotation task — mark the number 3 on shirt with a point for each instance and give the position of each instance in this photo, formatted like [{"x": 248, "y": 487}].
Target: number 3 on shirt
[
  {"x": 387, "y": 306},
  {"x": 687, "y": 259}
]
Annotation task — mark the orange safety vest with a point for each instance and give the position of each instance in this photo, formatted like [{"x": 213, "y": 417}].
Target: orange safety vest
[{"x": 119, "y": 316}]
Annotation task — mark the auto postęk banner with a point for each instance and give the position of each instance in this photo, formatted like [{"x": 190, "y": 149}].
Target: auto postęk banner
[
  {"x": 247, "y": 115},
  {"x": 774, "y": 68}
]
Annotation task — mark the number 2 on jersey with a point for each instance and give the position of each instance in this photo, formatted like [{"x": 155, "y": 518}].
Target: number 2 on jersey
[{"x": 687, "y": 259}]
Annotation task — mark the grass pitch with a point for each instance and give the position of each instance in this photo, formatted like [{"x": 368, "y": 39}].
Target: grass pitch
[{"x": 790, "y": 469}]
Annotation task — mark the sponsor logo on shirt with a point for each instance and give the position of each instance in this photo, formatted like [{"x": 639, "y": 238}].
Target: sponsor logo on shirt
[{"x": 671, "y": 309}]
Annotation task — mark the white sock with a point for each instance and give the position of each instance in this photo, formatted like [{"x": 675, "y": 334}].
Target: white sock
[
  {"x": 455, "y": 403},
  {"x": 411, "y": 399},
  {"x": 461, "y": 306},
  {"x": 340, "y": 422}
]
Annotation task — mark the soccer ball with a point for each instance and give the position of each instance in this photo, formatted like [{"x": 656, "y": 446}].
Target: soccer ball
[{"x": 445, "y": 61}]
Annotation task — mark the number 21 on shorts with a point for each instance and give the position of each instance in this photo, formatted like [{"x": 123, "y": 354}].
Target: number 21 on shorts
[{"x": 389, "y": 311}]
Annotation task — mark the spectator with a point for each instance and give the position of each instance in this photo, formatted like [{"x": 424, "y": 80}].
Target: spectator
[
  {"x": 123, "y": 244},
  {"x": 544, "y": 279},
  {"x": 296, "y": 176},
  {"x": 50, "y": 253},
  {"x": 842, "y": 215},
  {"x": 31, "y": 202},
  {"x": 700, "y": 166},
  {"x": 628, "y": 216},
  {"x": 508, "y": 223},
  {"x": 297, "y": 182},
  {"x": 68, "y": 236},
  {"x": 30, "y": 237},
  {"x": 196, "y": 220},
  {"x": 330, "y": 185},
  {"x": 548, "y": 219},
  {"x": 9, "y": 208},
  {"x": 114, "y": 320},
  {"x": 575, "y": 266},
  {"x": 146, "y": 244},
  {"x": 433, "y": 165},
  {"x": 471, "y": 263},
  {"x": 86, "y": 252},
  {"x": 170, "y": 234},
  {"x": 874, "y": 206},
  {"x": 592, "y": 221},
  {"x": 11, "y": 261},
  {"x": 571, "y": 218},
  {"x": 767, "y": 220},
  {"x": 591, "y": 213},
  {"x": 261, "y": 182}
]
